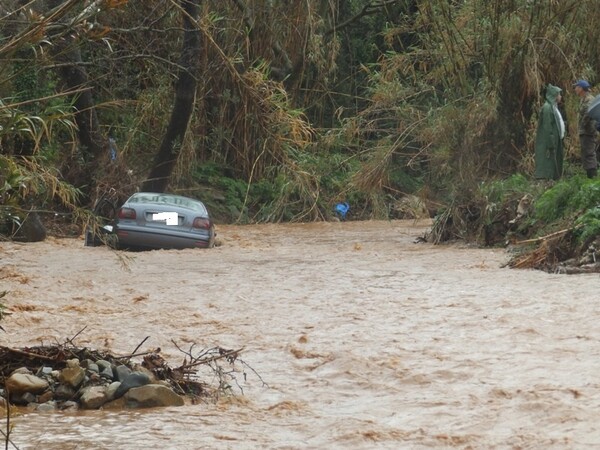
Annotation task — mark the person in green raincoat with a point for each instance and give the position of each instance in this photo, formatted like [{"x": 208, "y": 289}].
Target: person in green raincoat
[{"x": 549, "y": 137}]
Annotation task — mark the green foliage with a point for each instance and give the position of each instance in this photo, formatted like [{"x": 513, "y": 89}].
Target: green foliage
[
  {"x": 318, "y": 181},
  {"x": 571, "y": 201},
  {"x": 567, "y": 198},
  {"x": 25, "y": 133},
  {"x": 588, "y": 225},
  {"x": 30, "y": 83},
  {"x": 25, "y": 172},
  {"x": 588, "y": 196},
  {"x": 404, "y": 180},
  {"x": 484, "y": 214},
  {"x": 231, "y": 195},
  {"x": 556, "y": 202},
  {"x": 516, "y": 185},
  {"x": 332, "y": 168},
  {"x": 235, "y": 191},
  {"x": 278, "y": 199},
  {"x": 23, "y": 181},
  {"x": 498, "y": 199}
]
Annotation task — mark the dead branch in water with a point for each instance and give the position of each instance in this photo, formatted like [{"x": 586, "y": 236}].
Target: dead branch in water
[
  {"x": 209, "y": 357},
  {"x": 25, "y": 353},
  {"x": 547, "y": 237}
]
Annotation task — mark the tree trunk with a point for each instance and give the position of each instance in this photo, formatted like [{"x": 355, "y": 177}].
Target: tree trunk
[
  {"x": 93, "y": 142},
  {"x": 185, "y": 91}
]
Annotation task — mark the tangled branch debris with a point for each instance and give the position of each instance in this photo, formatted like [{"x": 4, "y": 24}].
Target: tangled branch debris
[
  {"x": 557, "y": 253},
  {"x": 49, "y": 362}
]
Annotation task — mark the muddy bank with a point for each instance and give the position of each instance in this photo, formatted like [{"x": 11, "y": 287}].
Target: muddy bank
[{"x": 363, "y": 338}]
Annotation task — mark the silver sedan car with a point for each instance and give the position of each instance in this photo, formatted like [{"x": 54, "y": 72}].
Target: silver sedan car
[{"x": 149, "y": 220}]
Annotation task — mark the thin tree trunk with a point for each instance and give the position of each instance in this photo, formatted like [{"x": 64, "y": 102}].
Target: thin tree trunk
[{"x": 185, "y": 93}]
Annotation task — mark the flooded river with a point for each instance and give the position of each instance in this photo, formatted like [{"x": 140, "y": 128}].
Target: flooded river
[{"x": 362, "y": 339}]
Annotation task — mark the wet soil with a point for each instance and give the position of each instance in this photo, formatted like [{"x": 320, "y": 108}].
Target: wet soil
[{"x": 364, "y": 338}]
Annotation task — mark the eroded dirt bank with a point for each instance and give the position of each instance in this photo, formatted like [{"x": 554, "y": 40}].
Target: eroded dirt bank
[{"x": 365, "y": 339}]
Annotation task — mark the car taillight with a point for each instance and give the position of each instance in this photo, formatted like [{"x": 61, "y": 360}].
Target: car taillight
[
  {"x": 202, "y": 223},
  {"x": 126, "y": 213}
]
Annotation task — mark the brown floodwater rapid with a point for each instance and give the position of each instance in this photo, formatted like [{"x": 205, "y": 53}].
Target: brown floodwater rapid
[{"x": 361, "y": 339}]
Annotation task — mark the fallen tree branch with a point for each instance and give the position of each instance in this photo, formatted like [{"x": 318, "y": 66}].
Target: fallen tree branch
[
  {"x": 545, "y": 238},
  {"x": 28, "y": 354},
  {"x": 223, "y": 354}
]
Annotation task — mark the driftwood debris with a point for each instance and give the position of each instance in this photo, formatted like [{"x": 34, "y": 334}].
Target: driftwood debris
[{"x": 558, "y": 252}]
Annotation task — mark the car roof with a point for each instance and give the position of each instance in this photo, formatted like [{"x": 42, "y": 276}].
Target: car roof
[{"x": 168, "y": 199}]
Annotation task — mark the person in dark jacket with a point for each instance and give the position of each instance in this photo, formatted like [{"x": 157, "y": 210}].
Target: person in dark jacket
[
  {"x": 549, "y": 137},
  {"x": 587, "y": 129}
]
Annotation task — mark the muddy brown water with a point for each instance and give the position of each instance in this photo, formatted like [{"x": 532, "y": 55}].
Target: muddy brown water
[{"x": 365, "y": 339}]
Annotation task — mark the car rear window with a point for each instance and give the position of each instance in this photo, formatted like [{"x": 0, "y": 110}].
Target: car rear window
[{"x": 173, "y": 200}]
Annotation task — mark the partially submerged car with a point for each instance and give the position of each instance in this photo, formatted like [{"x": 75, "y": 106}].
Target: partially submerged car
[{"x": 149, "y": 220}]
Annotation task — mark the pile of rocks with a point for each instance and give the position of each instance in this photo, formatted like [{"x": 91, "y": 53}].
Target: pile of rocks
[{"x": 87, "y": 384}]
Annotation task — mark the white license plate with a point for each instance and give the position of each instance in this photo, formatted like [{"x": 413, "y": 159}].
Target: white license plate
[{"x": 170, "y": 218}]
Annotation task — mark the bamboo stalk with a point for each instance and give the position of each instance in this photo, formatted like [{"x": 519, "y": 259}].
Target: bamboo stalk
[{"x": 544, "y": 238}]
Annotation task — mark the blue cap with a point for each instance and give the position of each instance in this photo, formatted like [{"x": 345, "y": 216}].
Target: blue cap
[{"x": 583, "y": 84}]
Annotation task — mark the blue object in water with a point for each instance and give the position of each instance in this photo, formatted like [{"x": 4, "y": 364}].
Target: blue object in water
[{"x": 342, "y": 209}]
